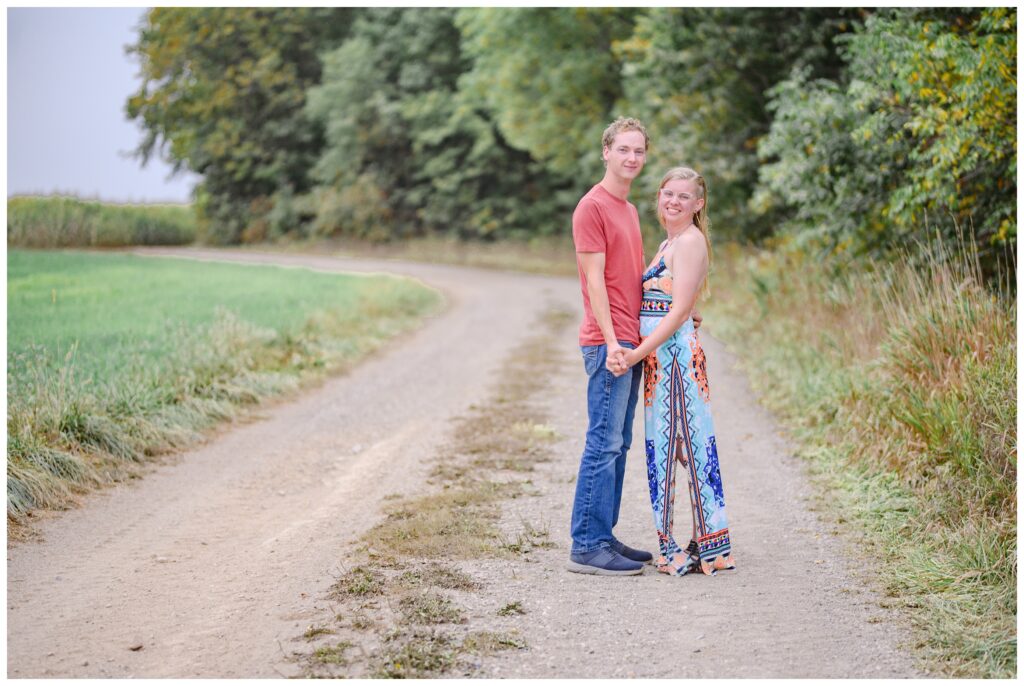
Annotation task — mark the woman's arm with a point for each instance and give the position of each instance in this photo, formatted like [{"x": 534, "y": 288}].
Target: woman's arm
[{"x": 689, "y": 263}]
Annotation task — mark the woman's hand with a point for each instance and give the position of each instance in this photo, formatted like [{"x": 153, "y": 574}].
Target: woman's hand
[{"x": 623, "y": 362}]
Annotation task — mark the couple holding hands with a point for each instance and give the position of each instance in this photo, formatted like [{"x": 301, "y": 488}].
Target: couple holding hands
[{"x": 640, "y": 324}]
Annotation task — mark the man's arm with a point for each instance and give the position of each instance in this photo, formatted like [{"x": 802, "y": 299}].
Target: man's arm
[{"x": 592, "y": 264}]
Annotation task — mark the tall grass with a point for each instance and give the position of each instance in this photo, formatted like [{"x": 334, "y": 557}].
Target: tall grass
[
  {"x": 900, "y": 384},
  {"x": 90, "y": 412},
  {"x": 62, "y": 222}
]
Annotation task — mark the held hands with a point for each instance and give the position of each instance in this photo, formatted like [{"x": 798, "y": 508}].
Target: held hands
[{"x": 620, "y": 360}]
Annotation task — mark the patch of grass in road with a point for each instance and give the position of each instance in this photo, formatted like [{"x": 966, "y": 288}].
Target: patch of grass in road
[
  {"x": 421, "y": 654},
  {"x": 429, "y": 608},
  {"x": 416, "y": 546},
  {"x": 415, "y": 655},
  {"x": 490, "y": 642},
  {"x": 511, "y": 609},
  {"x": 528, "y": 539},
  {"x": 359, "y": 621},
  {"x": 440, "y": 576},
  {"x": 359, "y": 582},
  {"x": 113, "y": 359},
  {"x": 899, "y": 382},
  {"x": 332, "y": 654},
  {"x": 316, "y": 631},
  {"x": 459, "y": 522}
]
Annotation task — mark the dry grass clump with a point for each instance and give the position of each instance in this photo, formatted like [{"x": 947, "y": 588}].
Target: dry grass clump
[
  {"x": 490, "y": 642},
  {"x": 359, "y": 582},
  {"x": 440, "y": 576},
  {"x": 429, "y": 608},
  {"x": 332, "y": 654},
  {"x": 415, "y": 655},
  {"x": 511, "y": 609}
]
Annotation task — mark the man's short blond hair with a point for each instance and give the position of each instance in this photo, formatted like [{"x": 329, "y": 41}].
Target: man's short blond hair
[{"x": 624, "y": 124}]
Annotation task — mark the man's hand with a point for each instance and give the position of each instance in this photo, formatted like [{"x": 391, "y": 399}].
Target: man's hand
[
  {"x": 697, "y": 319},
  {"x": 616, "y": 360}
]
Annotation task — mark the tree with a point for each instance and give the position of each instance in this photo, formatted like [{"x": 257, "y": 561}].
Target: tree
[
  {"x": 408, "y": 151},
  {"x": 223, "y": 94},
  {"x": 700, "y": 78},
  {"x": 550, "y": 77},
  {"x": 918, "y": 136}
]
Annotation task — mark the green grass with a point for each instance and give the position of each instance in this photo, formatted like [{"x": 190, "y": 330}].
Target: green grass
[
  {"x": 123, "y": 308},
  {"x": 64, "y": 222},
  {"x": 115, "y": 358},
  {"x": 899, "y": 383}
]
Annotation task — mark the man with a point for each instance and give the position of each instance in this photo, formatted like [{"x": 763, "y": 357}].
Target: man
[{"x": 610, "y": 258}]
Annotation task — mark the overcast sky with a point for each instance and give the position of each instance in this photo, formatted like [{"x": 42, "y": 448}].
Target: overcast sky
[{"x": 67, "y": 82}]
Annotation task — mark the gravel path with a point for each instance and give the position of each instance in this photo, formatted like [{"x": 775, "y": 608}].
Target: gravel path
[{"x": 214, "y": 561}]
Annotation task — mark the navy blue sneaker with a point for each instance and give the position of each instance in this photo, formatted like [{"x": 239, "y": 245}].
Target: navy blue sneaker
[
  {"x": 603, "y": 562},
  {"x": 630, "y": 553}
]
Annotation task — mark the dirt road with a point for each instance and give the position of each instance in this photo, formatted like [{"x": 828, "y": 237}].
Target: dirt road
[{"x": 211, "y": 564}]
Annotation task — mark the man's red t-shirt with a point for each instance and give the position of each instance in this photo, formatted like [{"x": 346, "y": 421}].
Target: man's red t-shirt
[{"x": 603, "y": 223}]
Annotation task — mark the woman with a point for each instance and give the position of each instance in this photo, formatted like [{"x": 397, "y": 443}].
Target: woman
[{"x": 677, "y": 413}]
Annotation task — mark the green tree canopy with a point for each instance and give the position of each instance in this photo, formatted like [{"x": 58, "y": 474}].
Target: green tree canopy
[
  {"x": 919, "y": 134},
  {"x": 700, "y": 78},
  {"x": 848, "y": 130},
  {"x": 550, "y": 78},
  {"x": 407, "y": 150},
  {"x": 222, "y": 94}
]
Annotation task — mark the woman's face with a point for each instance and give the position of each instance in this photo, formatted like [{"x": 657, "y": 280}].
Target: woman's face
[{"x": 678, "y": 201}]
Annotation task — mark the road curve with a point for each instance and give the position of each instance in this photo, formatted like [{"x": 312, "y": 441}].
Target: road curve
[{"x": 213, "y": 562}]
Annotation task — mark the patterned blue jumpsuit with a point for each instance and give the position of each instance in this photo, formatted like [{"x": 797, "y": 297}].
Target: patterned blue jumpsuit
[{"x": 681, "y": 435}]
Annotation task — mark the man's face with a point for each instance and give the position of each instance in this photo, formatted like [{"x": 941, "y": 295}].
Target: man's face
[{"x": 626, "y": 155}]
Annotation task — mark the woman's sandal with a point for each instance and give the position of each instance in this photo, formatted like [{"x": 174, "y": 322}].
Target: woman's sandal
[{"x": 672, "y": 568}]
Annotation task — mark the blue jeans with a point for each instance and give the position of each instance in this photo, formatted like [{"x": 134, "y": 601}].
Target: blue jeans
[{"x": 611, "y": 403}]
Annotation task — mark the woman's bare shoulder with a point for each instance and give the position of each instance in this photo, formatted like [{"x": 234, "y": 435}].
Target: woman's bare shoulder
[{"x": 690, "y": 244}]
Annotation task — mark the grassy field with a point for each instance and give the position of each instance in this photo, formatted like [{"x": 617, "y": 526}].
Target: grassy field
[
  {"x": 60, "y": 222},
  {"x": 899, "y": 384},
  {"x": 113, "y": 358}
]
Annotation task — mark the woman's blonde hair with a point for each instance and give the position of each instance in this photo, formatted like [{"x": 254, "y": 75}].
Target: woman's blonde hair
[{"x": 700, "y": 219}]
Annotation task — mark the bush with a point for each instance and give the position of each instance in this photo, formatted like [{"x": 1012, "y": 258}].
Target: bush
[{"x": 919, "y": 130}]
